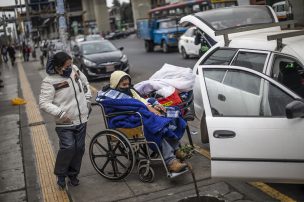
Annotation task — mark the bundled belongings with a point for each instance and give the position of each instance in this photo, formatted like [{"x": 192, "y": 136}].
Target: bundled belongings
[{"x": 166, "y": 80}]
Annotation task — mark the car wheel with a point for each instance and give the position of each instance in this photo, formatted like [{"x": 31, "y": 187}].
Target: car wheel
[
  {"x": 184, "y": 53},
  {"x": 149, "y": 46},
  {"x": 165, "y": 47},
  {"x": 203, "y": 129}
]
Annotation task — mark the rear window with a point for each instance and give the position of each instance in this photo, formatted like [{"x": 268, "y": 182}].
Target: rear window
[
  {"x": 220, "y": 57},
  {"x": 223, "y": 18}
]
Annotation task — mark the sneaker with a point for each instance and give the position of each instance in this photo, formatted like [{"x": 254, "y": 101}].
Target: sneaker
[
  {"x": 61, "y": 182},
  {"x": 74, "y": 181},
  {"x": 181, "y": 155},
  {"x": 175, "y": 166}
]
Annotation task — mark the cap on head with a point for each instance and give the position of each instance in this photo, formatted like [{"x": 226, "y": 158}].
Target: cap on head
[{"x": 116, "y": 77}]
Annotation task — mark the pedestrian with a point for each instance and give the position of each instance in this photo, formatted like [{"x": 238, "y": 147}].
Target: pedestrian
[
  {"x": 66, "y": 95},
  {"x": 11, "y": 52},
  {"x": 4, "y": 53}
]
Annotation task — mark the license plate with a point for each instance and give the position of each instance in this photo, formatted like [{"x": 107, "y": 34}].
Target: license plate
[{"x": 110, "y": 68}]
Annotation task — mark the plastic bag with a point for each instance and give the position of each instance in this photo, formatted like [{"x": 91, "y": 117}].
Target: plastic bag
[{"x": 18, "y": 101}]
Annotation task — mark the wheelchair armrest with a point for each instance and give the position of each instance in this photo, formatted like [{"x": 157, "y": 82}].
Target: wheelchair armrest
[{"x": 122, "y": 113}]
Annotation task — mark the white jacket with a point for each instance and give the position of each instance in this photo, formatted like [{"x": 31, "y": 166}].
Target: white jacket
[{"x": 60, "y": 95}]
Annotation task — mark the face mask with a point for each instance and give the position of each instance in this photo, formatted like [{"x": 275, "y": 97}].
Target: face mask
[
  {"x": 67, "y": 72},
  {"x": 125, "y": 91}
]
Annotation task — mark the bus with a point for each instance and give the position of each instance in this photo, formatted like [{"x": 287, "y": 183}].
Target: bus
[{"x": 183, "y": 8}]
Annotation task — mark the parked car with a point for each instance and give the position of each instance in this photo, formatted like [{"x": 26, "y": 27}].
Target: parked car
[
  {"x": 93, "y": 37},
  {"x": 283, "y": 10},
  {"x": 254, "y": 52},
  {"x": 249, "y": 48},
  {"x": 98, "y": 59},
  {"x": 255, "y": 125},
  {"x": 186, "y": 45}
]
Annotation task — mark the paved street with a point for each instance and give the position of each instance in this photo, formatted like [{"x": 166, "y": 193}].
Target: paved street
[{"x": 22, "y": 158}]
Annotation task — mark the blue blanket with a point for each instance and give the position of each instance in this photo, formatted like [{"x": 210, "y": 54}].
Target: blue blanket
[{"x": 155, "y": 127}]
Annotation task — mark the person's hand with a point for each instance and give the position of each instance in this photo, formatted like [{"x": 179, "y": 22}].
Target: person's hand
[
  {"x": 89, "y": 107},
  {"x": 151, "y": 109},
  {"x": 65, "y": 119},
  {"x": 160, "y": 108}
]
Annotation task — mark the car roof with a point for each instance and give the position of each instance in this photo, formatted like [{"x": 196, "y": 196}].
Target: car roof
[
  {"x": 93, "y": 41},
  {"x": 259, "y": 41}
]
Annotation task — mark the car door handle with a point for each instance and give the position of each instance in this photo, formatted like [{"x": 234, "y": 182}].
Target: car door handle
[
  {"x": 223, "y": 134},
  {"x": 221, "y": 97}
]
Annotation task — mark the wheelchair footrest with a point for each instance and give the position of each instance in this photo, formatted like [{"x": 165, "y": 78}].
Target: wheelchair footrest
[{"x": 173, "y": 175}]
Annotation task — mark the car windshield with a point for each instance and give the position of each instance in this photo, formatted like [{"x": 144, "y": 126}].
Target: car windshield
[
  {"x": 224, "y": 18},
  {"x": 167, "y": 24},
  {"x": 97, "y": 47}
]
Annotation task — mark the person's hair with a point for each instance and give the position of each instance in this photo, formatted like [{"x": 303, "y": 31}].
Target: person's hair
[{"x": 60, "y": 58}]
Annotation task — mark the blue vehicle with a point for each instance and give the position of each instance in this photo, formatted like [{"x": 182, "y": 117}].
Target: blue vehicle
[{"x": 162, "y": 32}]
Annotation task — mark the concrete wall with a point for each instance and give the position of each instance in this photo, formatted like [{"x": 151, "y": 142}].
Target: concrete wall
[
  {"x": 298, "y": 10},
  {"x": 102, "y": 15},
  {"x": 140, "y": 9}
]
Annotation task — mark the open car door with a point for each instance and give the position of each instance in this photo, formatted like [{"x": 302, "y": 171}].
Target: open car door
[{"x": 249, "y": 132}]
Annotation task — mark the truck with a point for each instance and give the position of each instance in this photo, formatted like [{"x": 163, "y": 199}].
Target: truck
[{"x": 161, "y": 32}]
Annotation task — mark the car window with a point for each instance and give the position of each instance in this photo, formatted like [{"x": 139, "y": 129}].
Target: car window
[
  {"x": 288, "y": 72},
  {"x": 242, "y": 81},
  {"x": 255, "y": 61},
  {"x": 97, "y": 47},
  {"x": 188, "y": 32},
  {"x": 224, "y": 18},
  {"x": 252, "y": 97},
  {"x": 219, "y": 57}
]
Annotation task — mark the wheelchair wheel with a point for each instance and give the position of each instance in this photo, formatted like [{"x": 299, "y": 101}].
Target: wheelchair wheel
[
  {"x": 146, "y": 173},
  {"x": 111, "y": 154}
]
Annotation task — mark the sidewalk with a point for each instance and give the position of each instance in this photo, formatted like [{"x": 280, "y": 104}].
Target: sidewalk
[{"x": 20, "y": 177}]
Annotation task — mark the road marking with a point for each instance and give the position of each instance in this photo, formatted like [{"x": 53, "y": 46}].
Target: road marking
[
  {"x": 259, "y": 185},
  {"x": 44, "y": 153}
]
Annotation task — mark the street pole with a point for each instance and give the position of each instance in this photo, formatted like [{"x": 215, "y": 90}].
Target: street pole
[
  {"x": 28, "y": 22},
  {"x": 62, "y": 25}
]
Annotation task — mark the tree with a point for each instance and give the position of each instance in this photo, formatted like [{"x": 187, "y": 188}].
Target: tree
[{"x": 126, "y": 12}]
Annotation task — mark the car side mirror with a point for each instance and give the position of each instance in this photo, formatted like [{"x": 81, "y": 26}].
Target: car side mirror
[
  {"x": 121, "y": 48},
  {"x": 295, "y": 109}
]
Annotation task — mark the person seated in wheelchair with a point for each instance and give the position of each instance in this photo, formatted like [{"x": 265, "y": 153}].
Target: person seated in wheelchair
[{"x": 166, "y": 132}]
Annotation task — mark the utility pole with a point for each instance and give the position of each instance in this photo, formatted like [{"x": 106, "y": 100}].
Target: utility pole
[
  {"x": 62, "y": 25},
  {"x": 28, "y": 22}
]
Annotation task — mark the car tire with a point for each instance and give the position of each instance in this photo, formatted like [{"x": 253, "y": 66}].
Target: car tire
[
  {"x": 165, "y": 47},
  {"x": 203, "y": 130},
  {"x": 149, "y": 46},
  {"x": 184, "y": 53}
]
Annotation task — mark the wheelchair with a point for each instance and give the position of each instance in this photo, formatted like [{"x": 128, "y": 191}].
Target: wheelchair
[{"x": 115, "y": 152}]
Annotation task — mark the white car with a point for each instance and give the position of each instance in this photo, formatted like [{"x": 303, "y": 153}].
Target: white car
[
  {"x": 255, "y": 125},
  {"x": 186, "y": 44},
  {"x": 214, "y": 20},
  {"x": 249, "y": 49}
]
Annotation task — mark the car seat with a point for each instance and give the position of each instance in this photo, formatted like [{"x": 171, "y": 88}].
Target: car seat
[{"x": 290, "y": 77}]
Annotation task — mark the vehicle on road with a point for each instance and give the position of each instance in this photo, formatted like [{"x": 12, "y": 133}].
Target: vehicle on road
[
  {"x": 255, "y": 125},
  {"x": 93, "y": 37},
  {"x": 283, "y": 10},
  {"x": 98, "y": 59},
  {"x": 161, "y": 32},
  {"x": 186, "y": 45}
]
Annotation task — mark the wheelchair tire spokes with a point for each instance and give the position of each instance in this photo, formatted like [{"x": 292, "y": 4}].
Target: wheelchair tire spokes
[{"x": 111, "y": 154}]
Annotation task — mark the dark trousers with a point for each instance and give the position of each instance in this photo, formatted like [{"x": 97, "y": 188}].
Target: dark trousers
[{"x": 72, "y": 147}]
